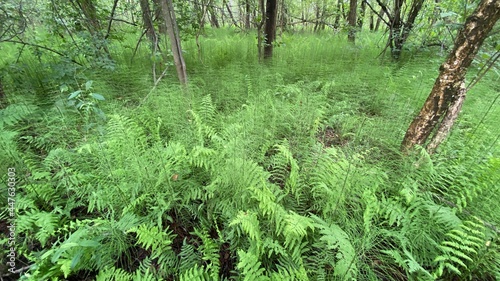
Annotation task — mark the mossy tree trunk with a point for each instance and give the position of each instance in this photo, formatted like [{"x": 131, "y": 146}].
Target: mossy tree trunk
[{"x": 443, "y": 105}]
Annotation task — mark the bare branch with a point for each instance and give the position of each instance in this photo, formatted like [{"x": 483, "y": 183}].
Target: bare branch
[{"x": 41, "y": 47}]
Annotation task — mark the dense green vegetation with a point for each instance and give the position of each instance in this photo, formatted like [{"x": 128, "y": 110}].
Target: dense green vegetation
[{"x": 285, "y": 170}]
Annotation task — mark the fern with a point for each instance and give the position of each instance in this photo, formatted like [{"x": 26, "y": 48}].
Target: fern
[
  {"x": 249, "y": 224},
  {"x": 286, "y": 170},
  {"x": 152, "y": 238},
  {"x": 188, "y": 256},
  {"x": 195, "y": 274},
  {"x": 460, "y": 249},
  {"x": 207, "y": 111},
  {"x": 334, "y": 238},
  {"x": 210, "y": 253},
  {"x": 113, "y": 274},
  {"x": 250, "y": 266}
]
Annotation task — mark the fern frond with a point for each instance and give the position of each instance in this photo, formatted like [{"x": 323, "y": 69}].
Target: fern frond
[
  {"x": 113, "y": 274},
  {"x": 188, "y": 257},
  {"x": 334, "y": 238},
  {"x": 249, "y": 223},
  {"x": 461, "y": 248},
  {"x": 152, "y": 238},
  {"x": 195, "y": 274},
  {"x": 250, "y": 266},
  {"x": 210, "y": 253}
]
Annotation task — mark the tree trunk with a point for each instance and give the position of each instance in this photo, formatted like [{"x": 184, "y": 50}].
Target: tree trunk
[
  {"x": 283, "y": 17},
  {"x": 399, "y": 29},
  {"x": 379, "y": 21},
  {"x": 230, "y": 13},
  {"x": 260, "y": 24},
  {"x": 213, "y": 17},
  {"x": 248, "y": 13},
  {"x": 318, "y": 17},
  {"x": 270, "y": 27},
  {"x": 351, "y": 19},
  {"x": 158, "y": 16},
  {"x": 175, "y": 42},
  {"x": 448, "y": 92},
  {"x": 372, "y": 22},
  {"x": 340, "y": 5},
  {"x": 396, "y": 25},
  {"x": 90, "y": 12},
  {"x": 148, "y": 23},
  {"x": 92, "y": 24},
  {"x": 362, "y": 14}
]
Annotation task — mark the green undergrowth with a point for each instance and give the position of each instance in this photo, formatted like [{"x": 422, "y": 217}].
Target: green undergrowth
[{"x": 286, "y": 170}]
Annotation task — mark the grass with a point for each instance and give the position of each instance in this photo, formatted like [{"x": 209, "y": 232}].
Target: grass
[{"x": 268, "y": 121}]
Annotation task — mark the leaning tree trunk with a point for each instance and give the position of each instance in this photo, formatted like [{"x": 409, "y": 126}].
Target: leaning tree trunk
[
  {"x": 270, "y": 27},
  {"x": 175, "y": 41},
  {"x": 446, "y": 98}
]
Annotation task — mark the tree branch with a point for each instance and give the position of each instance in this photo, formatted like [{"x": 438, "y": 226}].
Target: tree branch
[
  {"x": 111, "y": 19},
  {"x": 41, "y": 47},
  {"x": 381, "y": 17},
  {"x": 386, "y": 11}
]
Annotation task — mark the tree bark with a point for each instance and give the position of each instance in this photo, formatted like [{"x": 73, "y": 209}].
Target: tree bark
[
  {"x": 283, "y": 17},
  {"x": 362, "y": 14},
  {"x": 260, "y": 24},
  {"x": 213, "y": 16},
  {"x": 230, "y": 13},
  {"x": 90, "y": 12},
  {"x": 270, "y": 27},
  {"x": 447, "y": 95},
  {"x": 351, "y": 19},
  {"x": 336, "y": 23},
  {"x": 399, "y": 28},
  {"x": 148, "y": 23},
  {"x": 175, "y": 42},
  {"x": 248, "y": 13}
]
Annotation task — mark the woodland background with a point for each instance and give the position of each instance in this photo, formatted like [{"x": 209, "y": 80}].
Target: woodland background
[{"x": 250, "y": 140}]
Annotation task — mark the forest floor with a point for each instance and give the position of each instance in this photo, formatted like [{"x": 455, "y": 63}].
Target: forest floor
[{"x": 318, "y": 127}]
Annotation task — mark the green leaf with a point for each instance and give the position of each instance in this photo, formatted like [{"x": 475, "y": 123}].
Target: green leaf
[
  {"x": 64, "y": 88},
  {"x": 88, "y": 85},
  {"x": 74, "y": 94},
  {"x": 97, "y": 96},
  {"x": 447, "y": 14}
]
